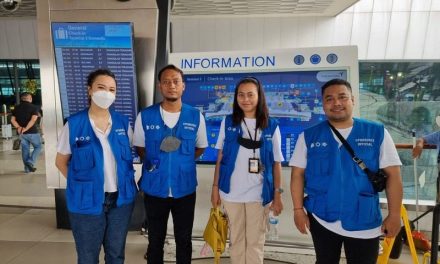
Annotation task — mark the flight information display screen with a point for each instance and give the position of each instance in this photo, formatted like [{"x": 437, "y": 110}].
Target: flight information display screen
[
  {"x": 294, "y": 98},
  {"x": 83, "y": 47}
]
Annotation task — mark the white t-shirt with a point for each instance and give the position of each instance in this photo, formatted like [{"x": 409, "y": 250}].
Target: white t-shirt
[
  {"x": 110, "y": 179},
  {"x": 170, "y": 119},
  {"x": 388, "y": 157},
  {"x": 247, "y": 187}
]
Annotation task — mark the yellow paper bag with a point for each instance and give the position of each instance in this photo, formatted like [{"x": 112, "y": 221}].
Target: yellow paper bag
[{"x": 216, "y": 232}]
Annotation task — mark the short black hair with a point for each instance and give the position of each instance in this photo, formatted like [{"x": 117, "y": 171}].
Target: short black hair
[
  {"x": 23, "y": 94},
  {"x": 336, "y": 82},
  {"x": 169, "y": 67},
  {"x": 98, "y": 72}
]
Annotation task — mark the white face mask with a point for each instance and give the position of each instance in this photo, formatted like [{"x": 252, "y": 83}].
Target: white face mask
[
  {"x": 437, "y": 120},
  {"x": 103, "y": 99}
]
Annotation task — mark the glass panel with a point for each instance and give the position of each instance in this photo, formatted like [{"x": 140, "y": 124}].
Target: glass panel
[
  {"x": 404, "y": 97},
  {"x": 27, "y": 70}
]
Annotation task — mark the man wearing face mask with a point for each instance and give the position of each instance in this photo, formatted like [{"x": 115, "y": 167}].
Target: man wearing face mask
[
  {"x": 94, "y": 154},
  {"x": 431, "y": 139},
  {"x": 169, "y": 137}
]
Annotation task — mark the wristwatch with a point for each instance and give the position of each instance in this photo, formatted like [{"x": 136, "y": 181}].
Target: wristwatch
[{"x": 280, "y": 190}]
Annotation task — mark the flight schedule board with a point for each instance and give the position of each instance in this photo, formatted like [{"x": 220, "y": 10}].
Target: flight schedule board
[
  {"x": 293, "y": 97},
  {"x": 84, "y": 47}
]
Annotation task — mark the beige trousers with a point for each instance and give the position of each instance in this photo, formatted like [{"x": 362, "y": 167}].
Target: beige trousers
[{"x": 247, "y": 229}]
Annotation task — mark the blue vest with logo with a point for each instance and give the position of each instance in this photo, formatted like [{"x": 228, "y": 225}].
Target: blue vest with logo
[
  {"x": 230, "y": 151},
  {"x": 85, "y": 177},
  {"x": 177, "y": 169},
  {"x": 337, "y": 189}
]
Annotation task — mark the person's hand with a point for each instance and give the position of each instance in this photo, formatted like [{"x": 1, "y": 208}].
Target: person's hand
[
  {"x": 215, "y": 197},
  {"x": 391, "y": 225},
  {"x": 20, "y": 130},
  {"x": 417, "y": 151},
  {"x": 302, "y": 221},
  {"x": 277, "y": 205}
]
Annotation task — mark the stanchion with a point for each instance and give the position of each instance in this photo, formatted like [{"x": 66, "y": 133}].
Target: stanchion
[
  {"x": 389, "y": 242},
  {"x": 436, "y": 219}
]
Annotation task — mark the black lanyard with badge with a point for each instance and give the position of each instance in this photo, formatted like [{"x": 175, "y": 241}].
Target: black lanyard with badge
[{"x": 254, "y": 165}]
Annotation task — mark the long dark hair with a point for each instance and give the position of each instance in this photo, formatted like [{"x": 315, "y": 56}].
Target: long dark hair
[{"x": 262, "y": 112}]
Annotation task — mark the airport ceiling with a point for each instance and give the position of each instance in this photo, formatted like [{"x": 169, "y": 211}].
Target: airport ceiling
[{"x": 229, "y": 8}]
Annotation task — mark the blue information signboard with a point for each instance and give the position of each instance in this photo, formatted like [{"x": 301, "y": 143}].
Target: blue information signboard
[
  {"x": 293, "y": 97},
  {"x": 83, "y": 47}
]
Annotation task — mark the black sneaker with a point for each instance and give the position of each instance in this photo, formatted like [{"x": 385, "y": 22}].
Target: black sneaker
[{"x": 30, "y": 167}]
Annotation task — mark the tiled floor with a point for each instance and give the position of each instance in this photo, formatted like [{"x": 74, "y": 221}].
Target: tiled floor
[{"x": 28, "y": 231}]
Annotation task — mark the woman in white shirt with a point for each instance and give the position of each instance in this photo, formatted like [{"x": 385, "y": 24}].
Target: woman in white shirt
[
  {"x": 94, "y": 154},
  {"x": 247, "y": 173}
]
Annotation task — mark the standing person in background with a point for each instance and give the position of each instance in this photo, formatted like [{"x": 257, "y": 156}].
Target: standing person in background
[
  {"x": 94, "y": 154},
  {"x": 24, "y": 118},
  {"x": 248, "y": 137},
  {"x": 341, "y": 207},
  {"x": 169, "y": 137},
  {"x": 431, "y": 139}
]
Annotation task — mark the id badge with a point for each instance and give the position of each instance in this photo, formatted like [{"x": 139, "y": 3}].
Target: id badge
[{"x": 254, "y": 165}]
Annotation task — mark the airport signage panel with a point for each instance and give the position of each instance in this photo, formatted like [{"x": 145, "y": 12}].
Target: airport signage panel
[{"x": 83, "y": 47}]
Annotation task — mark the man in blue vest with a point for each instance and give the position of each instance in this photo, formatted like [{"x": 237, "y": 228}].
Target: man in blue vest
[
  {"x": 169, "y": 137},
  {"x": 341, "y": 207}
]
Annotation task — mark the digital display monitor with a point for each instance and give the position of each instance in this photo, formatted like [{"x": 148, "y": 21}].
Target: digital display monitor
[
  {"x": 293, "y": 97},
  {"x": 83, "y": 47}
]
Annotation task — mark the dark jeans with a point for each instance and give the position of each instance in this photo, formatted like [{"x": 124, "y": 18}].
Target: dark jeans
[
  {"x": 108, "y": 229},
  {"x": 328, "y": 246},
  {"x": 158, "y": 211}
]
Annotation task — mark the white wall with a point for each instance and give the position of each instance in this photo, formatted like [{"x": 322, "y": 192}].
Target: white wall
[
  {"x": 18, "y": 38},
  {"x": 382, "y": 30}
]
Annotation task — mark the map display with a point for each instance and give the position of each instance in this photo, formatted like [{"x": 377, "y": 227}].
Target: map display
[{"x": 294, "y": 98}]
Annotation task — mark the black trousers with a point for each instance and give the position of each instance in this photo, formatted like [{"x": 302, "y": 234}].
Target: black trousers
[
  {"x": 158, "y": 211},
  {"x": 328, "y": 246}
]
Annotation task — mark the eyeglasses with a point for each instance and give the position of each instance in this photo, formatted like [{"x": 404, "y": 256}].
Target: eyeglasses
[{"x": 170, "y": 82}]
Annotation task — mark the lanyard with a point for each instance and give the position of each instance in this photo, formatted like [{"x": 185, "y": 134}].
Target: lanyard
[{"x": 249, "y": 132}]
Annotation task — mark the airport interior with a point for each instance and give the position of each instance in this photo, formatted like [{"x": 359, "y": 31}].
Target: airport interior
[{"x": 388, "y": 49}]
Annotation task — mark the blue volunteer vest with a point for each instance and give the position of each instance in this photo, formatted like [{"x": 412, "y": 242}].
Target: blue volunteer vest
[
  {"x": 230, "y": 151},
  {"x": 85, "y": 180},
  {"x": 337, "y": 189},
  {"x": 164, "y": 170}
]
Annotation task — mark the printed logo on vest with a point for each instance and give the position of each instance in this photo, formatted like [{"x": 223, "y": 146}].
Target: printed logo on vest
[
  {"x": 82, "y": 139},
  {"x": 120, "y": 132},
  {"x": 152, "y": 127},
  {"x": 318, "y": 144},
  {"x": 189, "y": 126},
  {"x": 365, "y": 142}
]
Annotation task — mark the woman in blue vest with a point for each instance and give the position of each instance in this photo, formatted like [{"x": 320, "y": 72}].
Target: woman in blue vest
[
  {"x": 247, "y": 173},
  {"x": 94, "y": 154}
]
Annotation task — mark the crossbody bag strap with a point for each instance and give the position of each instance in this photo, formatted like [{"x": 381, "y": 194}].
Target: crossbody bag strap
[{"x": 344, "y": 142}]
